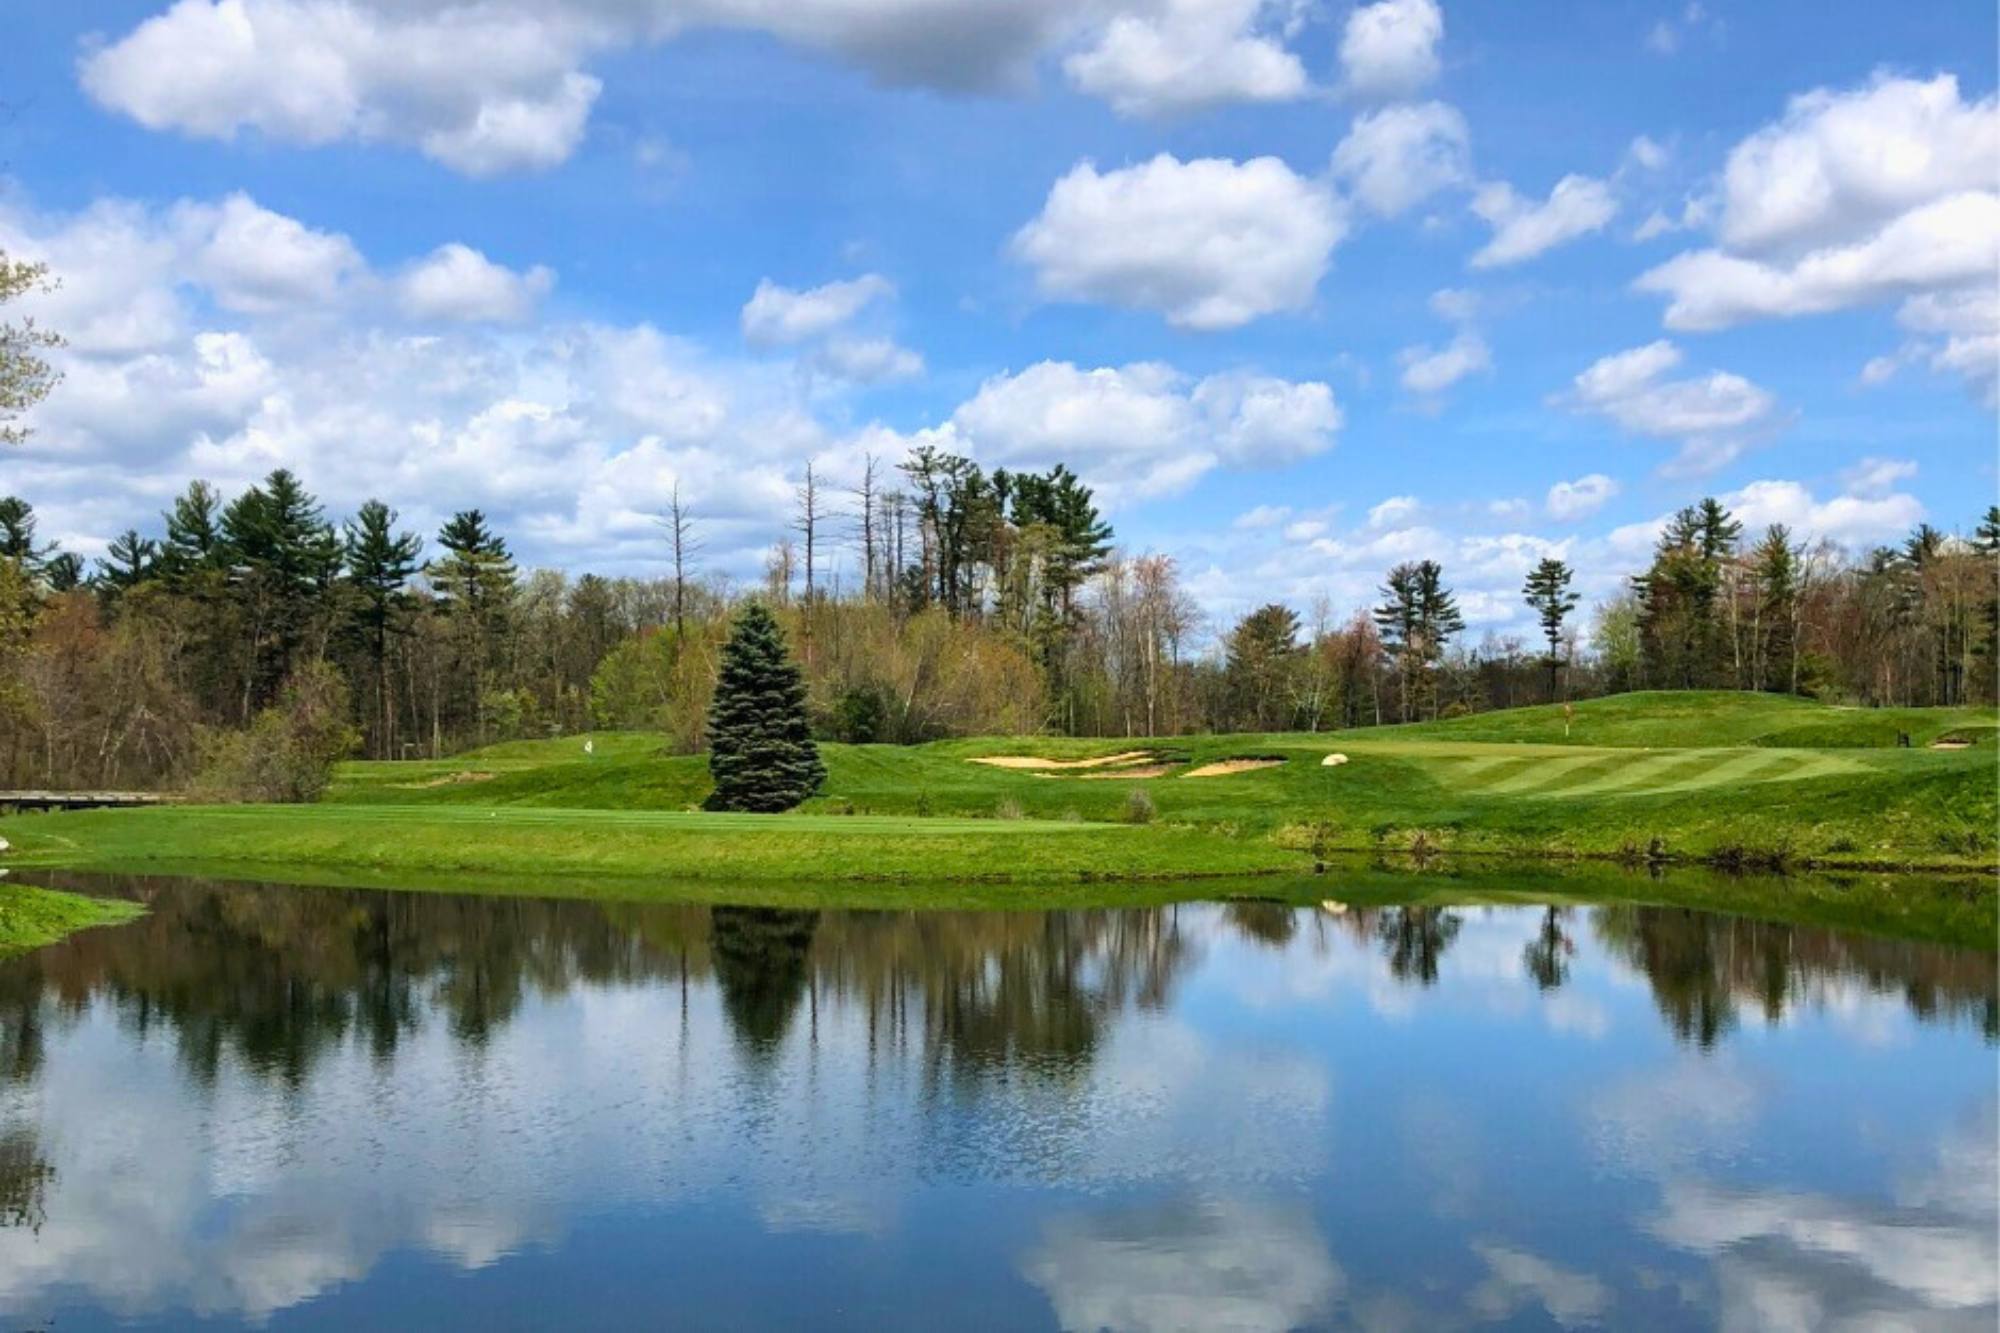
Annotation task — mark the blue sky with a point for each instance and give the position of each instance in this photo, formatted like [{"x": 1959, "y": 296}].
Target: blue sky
[{"x": 1304, "y": 288}]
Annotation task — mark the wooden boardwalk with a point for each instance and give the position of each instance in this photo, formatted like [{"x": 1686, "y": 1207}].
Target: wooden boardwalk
[{"x": 77, "y": 800}]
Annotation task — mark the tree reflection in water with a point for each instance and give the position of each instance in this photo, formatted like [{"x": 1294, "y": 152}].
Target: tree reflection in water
[
  {"x": 844, "y": 1073},
  {"x": 1546, "y": 957},
  {"x": 1704, "y": 967},
  {"x": 275, "y": 977},
  {"x": 24, "y": 1181},
  {"x": 1415, "y": 940},
  {"x": 760, "y": 964}
]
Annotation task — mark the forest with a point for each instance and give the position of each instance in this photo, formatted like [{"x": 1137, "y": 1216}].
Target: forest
[{"x": 249, "y": 639}]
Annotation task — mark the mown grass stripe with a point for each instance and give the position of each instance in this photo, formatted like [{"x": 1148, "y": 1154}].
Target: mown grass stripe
[
  {"x": 1641, "y": 773},
  {"x": 1532, "y": 780},
  {"x": 1643, "y": 777},
  {"x": 1603, "y": 768},
  {"x": 1482, "y": 782},
  {"x": 1724, "y": 770}
]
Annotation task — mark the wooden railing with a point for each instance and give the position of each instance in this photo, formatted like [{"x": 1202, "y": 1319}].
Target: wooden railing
[{"x": 77, "y": 800}]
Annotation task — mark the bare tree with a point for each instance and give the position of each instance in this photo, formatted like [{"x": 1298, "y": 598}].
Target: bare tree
[
  {"x": 864, "y": 496},
  {"x": 778, "y": 568},
  {"x": 893, "y": 513},
  {"x": 679, "y": 523},
  {"x": 807, "y": 523}
]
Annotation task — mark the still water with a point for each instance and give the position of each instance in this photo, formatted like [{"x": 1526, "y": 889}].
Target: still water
[{"x": 308, "y": 1108}]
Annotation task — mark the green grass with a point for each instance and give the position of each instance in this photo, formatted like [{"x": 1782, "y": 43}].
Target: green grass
[
  {"x": 679, "y": 845},
  {"x": 1653, "y": 773},
  {"x": 1683, "y": 718},
  {"x": 31, "y": 917},
  {"x": 1680, "y": 777}
]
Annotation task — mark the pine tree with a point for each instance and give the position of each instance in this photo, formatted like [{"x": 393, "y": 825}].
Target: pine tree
[
  {"x": 17, "y": 535},
  {"x": 64, "y": 571},
  {"x": 475, "y": 583},
  {"x": 1547, "y": 591},
  {"x": 1774, "y": 563},
  {"x": 194, "y": 548},
  {"x": 130, "y": 561},
  {"x": 761, "y": 750},
  {"x": 380, "y": 561},
  {"x": 1418, "y": 616},
  {"x": 283, "y": 556}
]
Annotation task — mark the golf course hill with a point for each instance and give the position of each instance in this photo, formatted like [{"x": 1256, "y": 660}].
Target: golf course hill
[{"x": 1727, "y": 779}]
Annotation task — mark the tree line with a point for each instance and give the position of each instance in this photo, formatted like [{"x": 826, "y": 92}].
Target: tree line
[{"x": 986, "y": 602}]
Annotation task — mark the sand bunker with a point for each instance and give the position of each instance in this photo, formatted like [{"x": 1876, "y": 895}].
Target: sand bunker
[
  {"x": 1333, "y": 761},
  {"x": 1951, "y": 743},
  {"x": 1223, "y": 768},
  {"x": 1143, "y": 771},
  {"x": 1035, "y": 762}
]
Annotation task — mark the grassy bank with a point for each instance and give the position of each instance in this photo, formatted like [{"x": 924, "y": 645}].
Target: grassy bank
[
  {"x": 659, "y": 844},
  {"x": 1945, "y": 909},
  {"x": 31, "y": 917},
  {"x": 1675, "y": 777}
]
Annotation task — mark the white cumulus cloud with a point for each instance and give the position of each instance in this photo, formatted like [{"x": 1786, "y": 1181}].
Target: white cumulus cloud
[
  {"x": 1396, "y": 157},
  {"x": 483, "y": 89},
  {"x": 1851, "y": 519},
  {"x": 1389, "y": 49},
  {"x": 1886, "y": 192},
  {"x": 1146, "y": 428},
  {"x": 1951, "y": 243},
  {"x": 1713, "y": 417},
  {"x": 1427, "y": 371},
  {"x": 1571, "y": 500},
  {"x": 457, "y": 282},
  {"x": 1840, "y": 164},
  {"x": 776, "y": 315},
  {"x": 867, "y": 360},
  {"x": 487, "y": 87},
  {"x": 1188, "y": 55},
  {"x": 1523, "y": 229},
  {"x": 1210, "y": 244},
  {"x": 252, "y": 259}
]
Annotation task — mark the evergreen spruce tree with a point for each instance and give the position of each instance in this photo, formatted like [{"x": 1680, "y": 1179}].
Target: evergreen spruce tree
[{"x": 761, "y": 751}]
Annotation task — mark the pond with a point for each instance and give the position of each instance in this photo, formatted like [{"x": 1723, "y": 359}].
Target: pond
[{"x": 309, "y": 1108}]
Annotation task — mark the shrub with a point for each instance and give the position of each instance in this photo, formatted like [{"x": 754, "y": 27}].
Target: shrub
[
  {"x": 287, "y": 754},
  {"x": 1009, "y": 808},
  {"x": 1139, "y": 807},
  {"x": 859, "y": 716}
]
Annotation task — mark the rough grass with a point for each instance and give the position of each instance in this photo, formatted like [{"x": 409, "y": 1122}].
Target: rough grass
[
  {"x": 31, "y": 917},
  {"x": 1660, "y": 778}
]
